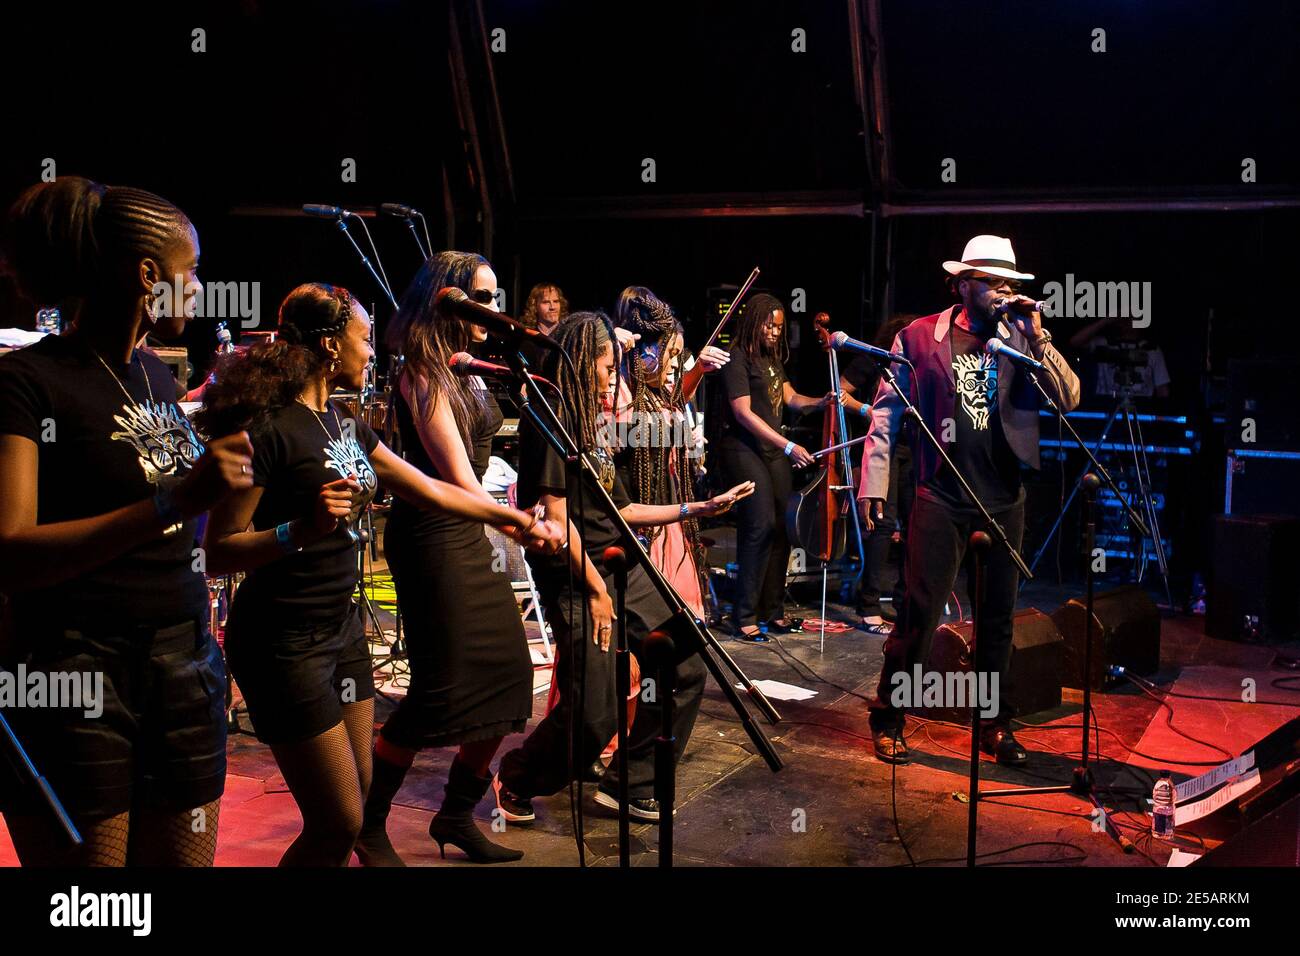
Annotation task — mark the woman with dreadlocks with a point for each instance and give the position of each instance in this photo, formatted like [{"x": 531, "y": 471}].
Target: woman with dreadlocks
[
  {"x": 753, "y": 448},
  {"x": 295, "y": 638},
  {"x": 568, "y": 582},
  {"x": 656, "y": 455},
  {"x": 104, "y": 481}
]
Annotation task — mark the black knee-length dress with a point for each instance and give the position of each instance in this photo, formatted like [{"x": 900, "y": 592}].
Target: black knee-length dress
[{"x": 471, "y": 673}]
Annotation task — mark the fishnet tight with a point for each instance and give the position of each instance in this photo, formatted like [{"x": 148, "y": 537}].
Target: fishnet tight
[
  {"x": 138, "y": 838},
  {"x": 328, "y": 776}
]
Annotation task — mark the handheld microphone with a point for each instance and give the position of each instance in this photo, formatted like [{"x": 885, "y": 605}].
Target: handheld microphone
[
  {"x": 326, "y": 212},
  {"x": 462, "y": 363},
  {"x": 841, "y": 340},
  {"x": 1003, "y": 306},
  {"x": 998, "y": 347},
  {"x": 398, "y": 210},
  {"x": 454, "y": 302}
]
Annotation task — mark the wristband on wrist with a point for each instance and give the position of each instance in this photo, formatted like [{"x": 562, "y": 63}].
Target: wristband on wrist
[
  {"x": 684, "y": 512},
  {"x": 284, "y": 538},
  {"x": 864, "y": 410},
  {"x": 165, "y": 505},
  {"x": 789, "y": 447}
]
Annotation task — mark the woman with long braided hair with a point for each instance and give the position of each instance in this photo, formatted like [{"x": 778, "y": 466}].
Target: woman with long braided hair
[
  {"x": 753, "y": 448},
  {"x": 567, "y": 583},
  {"x": 295, "y": 638},
  {"x": 657, "y": 457},
  {"x": 104, "y": 482}
]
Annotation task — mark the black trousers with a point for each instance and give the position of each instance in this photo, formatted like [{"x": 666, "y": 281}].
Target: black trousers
[
  {"x": 762, "y": 547},
  {"x": 937, "y": 537},
  {"x": 540, "y": 766},
  {"x": 879, "y": 574}
]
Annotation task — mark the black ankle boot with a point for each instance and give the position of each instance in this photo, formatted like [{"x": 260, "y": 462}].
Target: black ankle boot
[
  {"x": 454, "y": 821},
  {"x": 373, "y": 847}
]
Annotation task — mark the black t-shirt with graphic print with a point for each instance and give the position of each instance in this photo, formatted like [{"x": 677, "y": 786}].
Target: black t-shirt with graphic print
[
  {"x": 543, "y": 471},
  {"x": 763, "y": 380},
  {"x": 978, "y": 446},
  {"x": 293, "y": 455},
  {"x": 97, "y": 452}
]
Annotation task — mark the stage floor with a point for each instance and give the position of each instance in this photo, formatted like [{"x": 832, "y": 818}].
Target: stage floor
[{"x": 834, "y": 804}]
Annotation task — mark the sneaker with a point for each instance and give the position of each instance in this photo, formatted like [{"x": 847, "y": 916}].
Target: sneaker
[
  {"x": 638, "y": 808},
  {"x": 514, "y": 808}
]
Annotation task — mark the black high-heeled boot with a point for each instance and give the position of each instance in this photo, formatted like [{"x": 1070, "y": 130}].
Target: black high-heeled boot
[
  {"x": 454, "y": 821},
  {"x": 373, "y": 848}
]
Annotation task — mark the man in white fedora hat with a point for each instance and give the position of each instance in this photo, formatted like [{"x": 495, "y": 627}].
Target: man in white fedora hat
[{"x": 984, "y": 410}]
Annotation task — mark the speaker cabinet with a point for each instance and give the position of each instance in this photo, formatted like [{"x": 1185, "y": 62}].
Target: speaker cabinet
[
  {"x": 1252, "y": 592},
  {"x": 1035, "y": 669},
  {"x": 1125, "y": 631}
]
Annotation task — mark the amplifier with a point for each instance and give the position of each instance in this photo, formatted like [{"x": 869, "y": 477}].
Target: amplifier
[
  {"x": 1259, "y": 481},
  {"x": 1035, "y": 670},
  {"x": 1252, "y": 591},
  {"x": 1125, "y": 631}
]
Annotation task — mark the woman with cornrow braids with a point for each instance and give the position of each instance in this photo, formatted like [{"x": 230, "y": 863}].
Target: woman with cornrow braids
[
  {"x": 295, "y": 638},
  {"x": 104, "y": 481}
]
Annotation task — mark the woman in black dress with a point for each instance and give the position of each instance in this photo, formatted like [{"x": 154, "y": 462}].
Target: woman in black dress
[
  {"x": 104, "y": 480},
  {"x": 471, "y": 673},
  {"x": 295, "y": 638}
]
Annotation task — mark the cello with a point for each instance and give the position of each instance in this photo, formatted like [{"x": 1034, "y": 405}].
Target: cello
[{"x": 818, "y": 516}]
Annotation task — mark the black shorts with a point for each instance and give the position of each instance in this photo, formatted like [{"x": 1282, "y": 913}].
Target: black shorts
[
  {"x": 159, "y": 741},
  {"x": 296, "y": 676}
]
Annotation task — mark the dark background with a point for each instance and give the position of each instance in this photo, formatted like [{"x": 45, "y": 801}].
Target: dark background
[{"x": 545, "y": 176}]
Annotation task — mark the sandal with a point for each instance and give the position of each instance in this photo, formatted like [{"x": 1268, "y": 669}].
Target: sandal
[
  {"x": 878, "y": 629},
  {"x": 755, "y": 636},
  {"x": 793, "y": 625}
]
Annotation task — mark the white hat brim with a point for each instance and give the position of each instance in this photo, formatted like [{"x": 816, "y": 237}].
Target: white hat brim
[{"x": 957, "y": 268}]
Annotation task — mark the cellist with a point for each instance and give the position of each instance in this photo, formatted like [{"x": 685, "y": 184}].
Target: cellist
[{"x": 753, "y": 448}]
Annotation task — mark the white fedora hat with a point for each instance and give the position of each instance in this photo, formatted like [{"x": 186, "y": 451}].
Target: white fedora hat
[{"x": 992, "y": 255}]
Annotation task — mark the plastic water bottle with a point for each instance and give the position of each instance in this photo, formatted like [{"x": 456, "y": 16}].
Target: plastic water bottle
[{"x": 1162, "y": 808}]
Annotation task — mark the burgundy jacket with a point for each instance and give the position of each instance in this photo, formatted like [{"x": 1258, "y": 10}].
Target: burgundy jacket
[{"x": 933, "y": 390}]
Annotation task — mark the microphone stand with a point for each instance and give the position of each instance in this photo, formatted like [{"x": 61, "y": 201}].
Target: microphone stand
[
  {"x": 689, "y": 635},
  {"x": 998, "y": 531},
  {"x": 341, "y": 222},
  {"x": 1097, "y": 467},
  {"x": 1081, "y": 782},
  {"x": 979, "y": 547},
  {"x": 22, "y": 763},
  {"x": 616, "y": 562}
]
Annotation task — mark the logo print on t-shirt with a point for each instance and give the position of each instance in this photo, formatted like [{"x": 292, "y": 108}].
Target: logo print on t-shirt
[
  {"x": 977, "y": 385},
  {"x": 774, "y": 388},
  {"x": 164, "y": 441},
  {"x": 346, "y": 456}
]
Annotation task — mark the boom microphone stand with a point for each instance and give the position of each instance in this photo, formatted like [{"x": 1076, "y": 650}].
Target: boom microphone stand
[
  {"x": 998, "y": 531},
  {"x": 615, "y": 560},
  {"x": 979, "y": 547},
  {"x": 22, "y": 763},
  {"x": 1095, "y": 465},
  {"x": 1081, "y": 783},
  {"x": 689, "y": 635}
]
